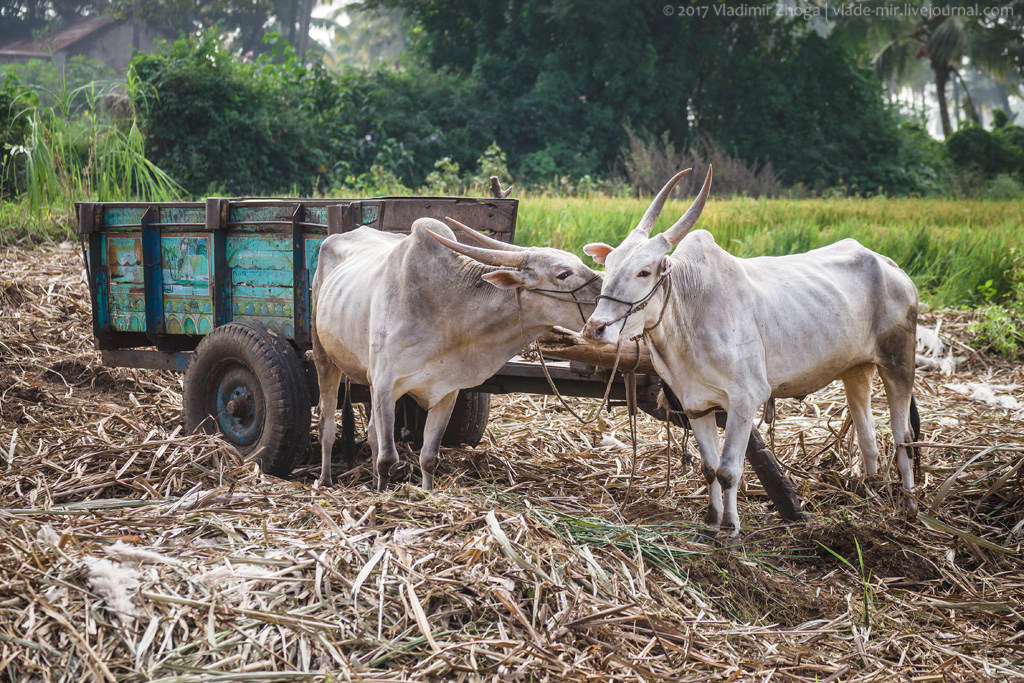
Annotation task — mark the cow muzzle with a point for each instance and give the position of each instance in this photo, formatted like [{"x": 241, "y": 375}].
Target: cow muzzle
[{"x": 598, "y": 331}]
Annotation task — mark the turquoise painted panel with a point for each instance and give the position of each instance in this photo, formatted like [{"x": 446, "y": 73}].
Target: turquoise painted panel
[
  {"x": 316, "y": 214},
  {"x": 123, "y": 215},
  {"x": 123, "y": 258},
  {"x": 313, "y": 254},
  {"x": 187, "y": 266},
  {"x": 126, "y": 302},
  {"x": 261, "y": 278},
  {"x": 188, "y": 277},
  {"x": 264, "y": 252},
  {"x": 242, "y": 214},
  {"x": 178, "y": 214}
]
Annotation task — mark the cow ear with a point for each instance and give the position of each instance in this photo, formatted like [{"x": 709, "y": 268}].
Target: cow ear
[
  {"x": 666, "y": 265},
  {"x": 505, "y": 279},
  {"x": 598, "y": 251}
]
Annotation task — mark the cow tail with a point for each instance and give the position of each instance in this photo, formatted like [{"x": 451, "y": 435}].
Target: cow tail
[{"x": 915, "y": 428}]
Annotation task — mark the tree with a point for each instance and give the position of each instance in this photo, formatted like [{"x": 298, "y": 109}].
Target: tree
[
  {"x": 944, "y": 33},
  {"x": 559, "y": 82}
]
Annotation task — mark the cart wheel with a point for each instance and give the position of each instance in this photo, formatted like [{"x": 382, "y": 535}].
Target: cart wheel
[
  {"x": 466, "y": 425},
  {"x": 469, "y": 419},
  {"x": 247, "y": 384}
]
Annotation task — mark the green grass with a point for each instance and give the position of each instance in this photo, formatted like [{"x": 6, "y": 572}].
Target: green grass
[
  {"x": 77, "y": 154},
  {"x": 950, "y": 248}
]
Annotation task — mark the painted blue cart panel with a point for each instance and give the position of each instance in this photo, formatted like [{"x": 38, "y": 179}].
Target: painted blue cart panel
[{"x": 163, "y": 275}]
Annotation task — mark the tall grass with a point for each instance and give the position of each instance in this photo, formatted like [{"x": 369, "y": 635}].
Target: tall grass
[
  {"x": 90, "y": 152},
  {"x": 950, "y": 248}
]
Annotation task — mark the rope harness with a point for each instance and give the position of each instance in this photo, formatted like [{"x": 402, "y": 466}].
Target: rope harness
[
  {"x": 551, "y": 294},
  {"x": 639, "y": 305}
]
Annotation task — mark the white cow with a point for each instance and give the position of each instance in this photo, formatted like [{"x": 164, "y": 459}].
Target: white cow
[
  {"x": 731, "y": 333},
  {"x": 409, "y": 315}
]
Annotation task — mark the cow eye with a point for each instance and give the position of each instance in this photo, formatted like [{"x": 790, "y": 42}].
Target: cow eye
[
  {"x": 644, "y": 273},
  {"x": 564, "y": 275}
]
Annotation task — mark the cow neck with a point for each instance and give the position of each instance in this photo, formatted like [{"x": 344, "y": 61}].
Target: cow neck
[{"x": 684, "y": 280}]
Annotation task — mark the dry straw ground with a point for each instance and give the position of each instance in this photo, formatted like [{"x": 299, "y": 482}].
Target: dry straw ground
[{"x": 132, "y": 552}]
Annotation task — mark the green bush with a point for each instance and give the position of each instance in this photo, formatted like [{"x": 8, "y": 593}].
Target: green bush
[
  {"x": 16, "y": 104},
  {"x": 975, "y": 149},
  {"x": 407, "y": 120},
  {"x": 222, "y": 125}
]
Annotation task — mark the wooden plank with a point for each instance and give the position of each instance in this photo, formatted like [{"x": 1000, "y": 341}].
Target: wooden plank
[{"x": 497, "y": 216}]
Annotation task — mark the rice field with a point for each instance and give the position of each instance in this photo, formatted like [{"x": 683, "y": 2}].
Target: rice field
[
  {"x": 951, "y": 248},
  {"x": 132, "y": 552}
]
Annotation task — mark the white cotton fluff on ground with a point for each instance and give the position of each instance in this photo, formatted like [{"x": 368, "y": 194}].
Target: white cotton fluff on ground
[
  {"x": 929, "y": 351},
  {"x": 404, "y": 536},
  {"x": 47, "y": 535},
  {"x": 115, "y": 583},
  {"x": 609, "y": 441},
  {"x": 230, "y": 577},
  {"x": 928, "y": 341},
  {"x": 986, "y": 393},
  {"x": 126, "y": 552}
]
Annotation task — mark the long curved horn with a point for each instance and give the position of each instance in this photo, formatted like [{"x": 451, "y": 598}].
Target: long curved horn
[
  {"x": 491, "y": 257},
  {"x": 483, "y": 239},
  {"x": 654, "y": 210},
  {"x": 685, "y": 224}
]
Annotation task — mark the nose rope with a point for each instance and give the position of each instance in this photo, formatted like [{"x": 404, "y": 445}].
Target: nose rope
[
  {"x": 551, "y": 294},
  {"x": 639, "y": 305}
]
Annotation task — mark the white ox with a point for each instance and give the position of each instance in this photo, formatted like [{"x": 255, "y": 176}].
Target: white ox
[
  {"x": 408, "y": 315},
  {"x": 731, "y": 333}
]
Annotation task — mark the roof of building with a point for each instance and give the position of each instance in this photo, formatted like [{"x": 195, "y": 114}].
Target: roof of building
[{"x": 57, "y": 40}]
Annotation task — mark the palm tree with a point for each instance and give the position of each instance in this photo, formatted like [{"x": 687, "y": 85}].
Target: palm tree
[{"x": 946, "y": 34}]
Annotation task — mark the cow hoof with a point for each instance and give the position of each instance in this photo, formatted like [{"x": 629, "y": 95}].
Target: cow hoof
[
  {"x": 706, "y": 536},
  {"x": 909, "y": 506},
  {"x": 732, "y": 542}
]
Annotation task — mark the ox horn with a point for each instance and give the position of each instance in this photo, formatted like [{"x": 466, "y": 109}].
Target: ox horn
[
  {"x": 651, "y": 217},
  {"x": 685, "y": 224},
  {"x": 491, "y": 257},
  {"x": 483, "y": 239}
]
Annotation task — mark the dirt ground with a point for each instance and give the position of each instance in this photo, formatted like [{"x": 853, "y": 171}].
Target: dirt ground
[{"x": 130, "y": 551}]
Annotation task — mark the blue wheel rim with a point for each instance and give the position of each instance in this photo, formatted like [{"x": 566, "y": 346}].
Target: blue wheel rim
[{"x": 240, "y": 408}]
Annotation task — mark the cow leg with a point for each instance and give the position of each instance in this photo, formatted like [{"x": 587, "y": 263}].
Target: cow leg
[
  {"x": 329, "y": 378},
  {"x": 730, "y": 469},
  {"x": 386, "y": 456},
  {"x": 857, "y": 382},
  {"x": 705, "y": 431},
  {"x": 437, "y": 421},
  {"x": 371, "y": 438},
  {"x": 899, "y": 387}
]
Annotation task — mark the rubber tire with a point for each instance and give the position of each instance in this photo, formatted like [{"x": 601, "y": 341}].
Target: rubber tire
[
  {"x": 466, "y": 425},
  {"x": 278, "y": 385}
]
